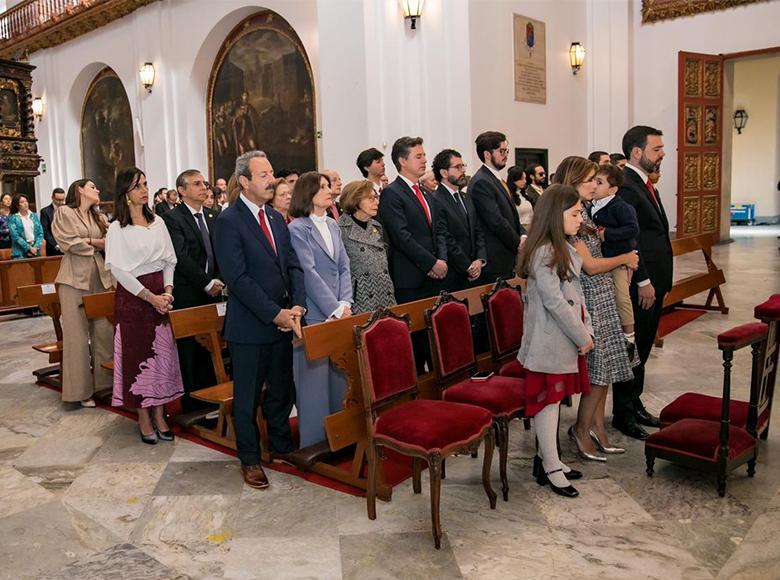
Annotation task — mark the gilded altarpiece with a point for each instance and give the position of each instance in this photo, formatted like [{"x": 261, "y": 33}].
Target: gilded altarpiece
[
  {"x": 699, "y": 143},
  {"x": 19, "y": 158}
]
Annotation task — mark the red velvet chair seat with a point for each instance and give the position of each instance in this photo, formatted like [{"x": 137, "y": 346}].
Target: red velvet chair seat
[
  {"x": 700, "y": 439},
  {"x": 502, "y": 396},
  {"x": 432, "y": 426},
  {"x": 769, "y": 310},
  {"x": 743, "y": 335},
  {"x": 707, "y": 407},
  {"x": 513, "y": 368}
]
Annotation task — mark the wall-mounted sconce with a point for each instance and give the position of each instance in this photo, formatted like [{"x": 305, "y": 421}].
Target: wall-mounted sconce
[
  {"x": 576, "y": 56},
  {"x": 412, "y": 10},
  {"x": 37, "y": 108},
  {"x": 146, "y": 72},
  {"x": 740, "y": 120}
]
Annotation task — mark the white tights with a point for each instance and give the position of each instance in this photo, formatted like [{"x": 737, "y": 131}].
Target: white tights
[{"x": 546, "y": 424}]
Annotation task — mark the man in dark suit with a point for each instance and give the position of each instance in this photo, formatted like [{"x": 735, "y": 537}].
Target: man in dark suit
[
  {"x": 496, "y": 212},
  {"x": 170, "y": 202},
  {"x": 196, "y": 278},
  {"x": 47, "y": 218},
  {"x": 417, "y": 252},
  {"x": 457, "y": 222},
  {"x": 643, "y": 147},
  {"x": 266, "y": 302}
]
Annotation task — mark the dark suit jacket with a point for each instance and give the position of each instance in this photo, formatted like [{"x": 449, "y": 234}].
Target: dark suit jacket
[
  {"x": 464, "y": 238},
  {"x": 621, "y": 227},
  {"x": 47, "y": 217},
  {"x": 497, "y": 217},
  {"x": 655, "y": 248},
  {"x": 414, "y": 246},
  {"x": 190, "y": 277},
  {"x": 260, "y": 281},
  {"x": 162, "y": 207}
]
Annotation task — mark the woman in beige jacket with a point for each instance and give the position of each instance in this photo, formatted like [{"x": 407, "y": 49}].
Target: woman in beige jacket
[{"x": 80, "y": 231}]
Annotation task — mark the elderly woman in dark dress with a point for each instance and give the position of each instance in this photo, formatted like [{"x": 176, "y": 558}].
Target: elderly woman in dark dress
[{"x": 362, "y": 236}]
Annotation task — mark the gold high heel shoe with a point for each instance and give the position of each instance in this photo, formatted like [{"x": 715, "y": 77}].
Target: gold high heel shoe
[
  {"x": 607, "y": 450},
  {"x": 585, "y": 454}
]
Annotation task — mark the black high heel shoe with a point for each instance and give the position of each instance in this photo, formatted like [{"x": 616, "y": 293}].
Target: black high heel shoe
[
  {"x": 164, "y": 435},
  {"x": 541, "y": 476},
  {"x": 149, "y": 439}
]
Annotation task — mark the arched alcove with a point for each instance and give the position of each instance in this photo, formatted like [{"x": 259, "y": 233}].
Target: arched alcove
[
  {"x": 107, "y": 143},
  {"x": 261, "y": 96}
]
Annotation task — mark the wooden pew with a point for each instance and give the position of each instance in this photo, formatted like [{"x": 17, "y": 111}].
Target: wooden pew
[
  {"x": 334, "y": 339},
  {"x": 24, "y": 272},
  {"x": 100, "y": 305},
  {"x": 45, "y": 297},
  {"x": 689, "y": 286}
]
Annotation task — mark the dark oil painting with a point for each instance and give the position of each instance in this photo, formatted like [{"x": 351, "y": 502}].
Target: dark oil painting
[
  {"x": 10, "y": 123},
  {"x": 262, "y": 98},
  {"x": 106, "y": 132}
]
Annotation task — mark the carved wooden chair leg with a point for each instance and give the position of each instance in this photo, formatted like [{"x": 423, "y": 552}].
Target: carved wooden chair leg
[
  {"x": 722, "y": 483},
  {"x": 502, "y": 429},
  {"x": 371, "y": 483},
  {"x": 444, "y": 468},
  {"x": 527, "y": 424},
  {"x": 490, "y": 444},
  {"x": 752, "y": 467},
  {"x": 650, "y": 462},
  {"x": 434, "y": 466},
  {"x": 475, "y": 454},
  {"x": 416, "y": 475}
]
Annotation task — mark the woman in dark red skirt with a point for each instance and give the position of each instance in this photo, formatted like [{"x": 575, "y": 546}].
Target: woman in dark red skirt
[
  {"x": 140, "y": 255},
  {"x": 556, "y": 327}
]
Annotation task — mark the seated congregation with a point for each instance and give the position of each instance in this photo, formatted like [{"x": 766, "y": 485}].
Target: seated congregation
[{"x": 419, "y": 316}]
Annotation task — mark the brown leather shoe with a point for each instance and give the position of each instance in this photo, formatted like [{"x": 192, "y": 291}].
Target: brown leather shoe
[{"x": 254, "y": 476}]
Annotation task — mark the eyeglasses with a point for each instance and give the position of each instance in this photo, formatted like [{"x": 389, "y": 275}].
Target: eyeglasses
[{"x": 460, "y": 166}]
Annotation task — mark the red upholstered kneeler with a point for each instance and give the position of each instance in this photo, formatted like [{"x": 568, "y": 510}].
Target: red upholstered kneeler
[
  {"x": 454, "y": 361},
  {"x": 395, "y": 418},
  {"x": 717, "y": 445}
]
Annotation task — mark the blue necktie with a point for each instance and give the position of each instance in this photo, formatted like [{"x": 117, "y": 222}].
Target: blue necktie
[{"x": 204, "y": 233}]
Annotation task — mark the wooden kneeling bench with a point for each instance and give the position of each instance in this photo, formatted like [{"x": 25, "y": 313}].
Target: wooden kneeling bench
[
  {"x": 101, "y": 305},
  {"x": 45, "y": 297}
]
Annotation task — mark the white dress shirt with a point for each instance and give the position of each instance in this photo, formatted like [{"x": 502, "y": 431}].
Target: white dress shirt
[
  {"x": 29, "y": 227},
  {"x": 193, "y": 211},
  {"x": 255, "y": 209},
  {"x": 412, "y": 185}
]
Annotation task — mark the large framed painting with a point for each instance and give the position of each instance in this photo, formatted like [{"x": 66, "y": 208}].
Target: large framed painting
[
  {"x": 261, "y": 96},
  {"x": 107, "y": 143},
  {"x": 10, "y": 107}
]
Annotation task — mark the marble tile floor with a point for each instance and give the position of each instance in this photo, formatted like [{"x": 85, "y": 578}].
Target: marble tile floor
[{"x": 82, "y": 497}]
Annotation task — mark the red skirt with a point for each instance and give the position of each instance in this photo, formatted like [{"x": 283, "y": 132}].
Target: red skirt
[{"x": 542, "y": 389}]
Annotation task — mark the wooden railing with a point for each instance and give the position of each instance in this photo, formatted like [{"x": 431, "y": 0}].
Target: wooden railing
[{"x": 36, "y": 24}]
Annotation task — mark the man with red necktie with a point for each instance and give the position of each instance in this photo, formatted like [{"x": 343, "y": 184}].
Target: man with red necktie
[
  {"x": 643, "y": 147},
  {"x": 265, "y": 303},
  {"x": 417, "y": 252}
]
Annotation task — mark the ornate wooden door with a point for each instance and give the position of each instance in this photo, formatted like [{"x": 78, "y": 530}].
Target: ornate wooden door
[{"x": 699, "y": 143}]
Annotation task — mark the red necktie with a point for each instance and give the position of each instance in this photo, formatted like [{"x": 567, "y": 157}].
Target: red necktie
[
  {"x": 266, "y": 231},
  {"x": 418, "y": 192},
  {"x": 651, "y": 189},
  {"x": 334, "y": 212}
]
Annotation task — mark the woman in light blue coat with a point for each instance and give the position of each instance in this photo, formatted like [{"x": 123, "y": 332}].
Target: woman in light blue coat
[
  {"x": 316, "y": 240},
  {"x": 25, "y": 229}
]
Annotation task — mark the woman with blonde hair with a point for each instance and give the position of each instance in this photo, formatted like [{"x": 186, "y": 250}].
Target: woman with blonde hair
[
  {"x": 361, "y": 233},
  {"x": 609, "y": 361},
  {"x": 80, "y": 231},
  {"x": 282, "y": 197}
]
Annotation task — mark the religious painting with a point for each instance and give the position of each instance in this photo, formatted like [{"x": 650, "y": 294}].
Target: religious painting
[
  {"x": 107, "y": 144},
  {"x": 10, "y": 118},
  {"x": 654, "y": 10},
  {"x": 530, "y": 60},
  {"x": 261, "y": 96}
]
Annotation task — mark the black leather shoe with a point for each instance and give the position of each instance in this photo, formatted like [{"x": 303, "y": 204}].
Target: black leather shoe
[
  {"x": 568, "y": 491},
  {"x": 541, "y": 476},
  {"x": 645, "y": 418},
  {"x": 630, "y": 429}
]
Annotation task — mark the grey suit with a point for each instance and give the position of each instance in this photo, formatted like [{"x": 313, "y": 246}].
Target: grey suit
[
  {"x": 372, "y": 286},
  {"x": 320, "y": 387},
  {"x": 553, "y": 325}
]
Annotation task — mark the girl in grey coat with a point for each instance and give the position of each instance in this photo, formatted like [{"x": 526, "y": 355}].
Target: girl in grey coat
[{"x": 557, "y": 328}]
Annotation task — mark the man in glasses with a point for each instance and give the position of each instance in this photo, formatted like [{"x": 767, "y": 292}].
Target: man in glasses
[
  {"x": 496, "y": 212},
  {"x": 536, "y": 180}
]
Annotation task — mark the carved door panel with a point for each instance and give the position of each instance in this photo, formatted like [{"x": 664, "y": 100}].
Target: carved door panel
[{"x": 699, "y": 143}]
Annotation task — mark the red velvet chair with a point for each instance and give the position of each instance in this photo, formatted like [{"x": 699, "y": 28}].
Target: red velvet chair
[
  {"x": 717, "y": 445},
  {"x": 503, "y": 307},
  {"x": 395, "y": 418},
  {"x": 454, "y": 361},
  {"x": 708, "y": 407}
]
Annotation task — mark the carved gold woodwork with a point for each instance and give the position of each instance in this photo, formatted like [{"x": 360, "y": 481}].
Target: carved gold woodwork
[
  {"x": 711, "y": 125},
  {"x": 692, "y": 78},
  {"x": 692, "y": 124},
  {"x": 18, "y": 151},
  {"x": 654, "y": 10},
  {"x": 710, "y": 171},
  {"x": 709, "y": 214},
  {"x": 692, "y": 172},
  {"x": 712, "y": 79},
  {"x": 690, "y": 215}
]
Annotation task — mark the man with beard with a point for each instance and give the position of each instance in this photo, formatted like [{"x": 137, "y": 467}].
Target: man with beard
[
  {"x": 496, "y": 212},
  {"x": 457, "y": 222},
  {"x": 643, "y": 147},
  {"x": 536, "y": 176}
]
